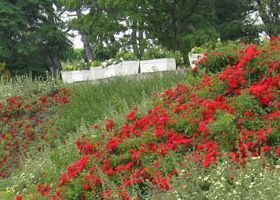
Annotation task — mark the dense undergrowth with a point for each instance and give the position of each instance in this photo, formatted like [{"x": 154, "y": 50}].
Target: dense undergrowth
[{"x": 213, "y": 136}]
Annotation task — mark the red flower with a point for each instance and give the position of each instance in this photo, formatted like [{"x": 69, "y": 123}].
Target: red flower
[
  {"x": 107, "y": 193},
  {"x": 277, "y": 151},
  {"x": 64, "y": 100},
  {"x": 86, "y": 186},
  {"x": 131, "y": 116},
  {"x": 19, "y": 197},
  {"x": 159, "y": 132},
  {"x": 265, "y": 149},
  {"x": 44, "y": 101},
  {"x": 112, "y": 144},
  {"x": 75, "y": 169},
  {"x": 109, "y": 125},
  {"x": 11, "y": 101},
  {"x": 63, "y": 179},
  {"x": 109, "y": 172}
]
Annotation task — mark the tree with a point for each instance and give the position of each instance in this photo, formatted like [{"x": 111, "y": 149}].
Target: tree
[
  {"x": 30, "y": 36},
  {"x": 173, "y": 24},
  {"x": 75, "y": 8},
  {"x": 269, "y": 11},
  {"x": 181, "y": 24}
]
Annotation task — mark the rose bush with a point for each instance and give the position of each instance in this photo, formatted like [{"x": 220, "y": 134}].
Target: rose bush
[{"x": 25, "y": 126}]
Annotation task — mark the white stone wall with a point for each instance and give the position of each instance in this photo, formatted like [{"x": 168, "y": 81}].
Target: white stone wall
[
  {"x": 195, "y": 58},
  {"x": 125, "y": 68},
  {"x": 157, "y": 65}
]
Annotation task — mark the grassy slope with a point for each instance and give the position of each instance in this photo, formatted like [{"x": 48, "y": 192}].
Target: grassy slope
[{"x": 93, "y": 102}]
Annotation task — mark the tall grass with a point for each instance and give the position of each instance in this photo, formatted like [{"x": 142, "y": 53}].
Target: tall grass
[
  {"x": 26, "y": 85},
  {"x": 93, "y": 102}
]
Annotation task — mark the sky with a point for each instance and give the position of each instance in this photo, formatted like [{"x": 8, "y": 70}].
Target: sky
[{"x": 77, "y": 42}]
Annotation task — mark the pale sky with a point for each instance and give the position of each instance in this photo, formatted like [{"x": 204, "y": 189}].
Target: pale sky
[{"x": 77, "y": 42}]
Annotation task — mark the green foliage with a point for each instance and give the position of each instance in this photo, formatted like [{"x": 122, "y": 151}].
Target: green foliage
[
  {"x": 76, "y": 55},
  {"x": 96, "y": 63},
  {"x": 154, "y": 53},
  {"x": 225, "y": 181},
  {"x": 198, "y": 50},
  {"x": 174, "y": 25},
  {"x": 198, "y": 38},
  {"x": 217, "y": 62},
  {"x": 220, "y": 55},
  {"x": 125, "y": 55},
  {"x": 76, "y": 66},
  {"x": 31, "y": 38},
  {"x": 223, "y": 131}
]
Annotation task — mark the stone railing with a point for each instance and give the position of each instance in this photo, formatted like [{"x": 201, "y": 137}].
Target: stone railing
[{"x": 124, "y": 68}]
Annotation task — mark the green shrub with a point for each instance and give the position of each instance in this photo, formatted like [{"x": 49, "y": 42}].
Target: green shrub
[
  {"x": 220, "y": 55},
  {"x": 225, "y": 181},
  {"x": 216, "y": 62},
  {"x": 96, "y": 63},
  {"x": 198, "y": 50},
  {"x": 76, "y": 66},
  {"x": 76, "y": 55},
  {"x": 125, "y": 55},
  {"x": 154, "y": 53}
]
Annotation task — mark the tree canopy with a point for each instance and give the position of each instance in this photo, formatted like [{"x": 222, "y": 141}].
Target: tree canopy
[{"x": 33, "y": 37}]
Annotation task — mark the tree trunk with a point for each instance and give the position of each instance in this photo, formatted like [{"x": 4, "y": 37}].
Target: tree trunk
[
  {"x": 87, "y": 46},
  {"x": 178, "y": 24},
  {"x": 55, "y": 65},
  {"x": 141, "y": 40},
  {"x": 88, "y": 49},
  {"x": 134, "y": 39}
]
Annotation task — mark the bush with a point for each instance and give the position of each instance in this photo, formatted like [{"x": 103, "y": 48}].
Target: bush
[
  {"x": 96, "y": 63},
  {"x": 125, "y": 55},
  {"x": 216, "y": 62},
  {"x": 154, "y": 53},
  {"x": 77, "y": 55},
  {"x": 219, "y": 56},
  {"x": 76, "y": 66}
]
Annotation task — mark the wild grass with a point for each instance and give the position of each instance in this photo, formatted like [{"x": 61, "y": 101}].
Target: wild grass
[
  {"x": 28, "y": 86},
  {"x": 93, "y": 102}
]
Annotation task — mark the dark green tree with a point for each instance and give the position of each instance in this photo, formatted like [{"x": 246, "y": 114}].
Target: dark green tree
[
  {"x": 182, "y": 24},
  {"x": 31, "y": 37}
]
